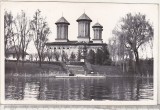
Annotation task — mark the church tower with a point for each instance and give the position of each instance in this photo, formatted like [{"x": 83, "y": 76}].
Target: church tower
[
  {"x": 97, "y": 28},
  {"x": 62, "y": 30},
  {"x": 84, "y": 28}
]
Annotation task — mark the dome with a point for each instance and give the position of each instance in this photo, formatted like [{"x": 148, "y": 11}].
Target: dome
[
  {"x": 97, "y": 25},
  {"x": 84, "y": 17},
  {"x": 62, "y": 20}
]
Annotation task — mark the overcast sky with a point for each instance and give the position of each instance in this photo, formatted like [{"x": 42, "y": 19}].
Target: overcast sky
[{"x": 107, "y": 14}]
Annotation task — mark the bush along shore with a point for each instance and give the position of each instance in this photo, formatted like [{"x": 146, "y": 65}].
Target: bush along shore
[{"x": 52, "y": 69}]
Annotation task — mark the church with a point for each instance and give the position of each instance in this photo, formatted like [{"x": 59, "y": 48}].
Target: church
[{"x": 65, "y": 48}]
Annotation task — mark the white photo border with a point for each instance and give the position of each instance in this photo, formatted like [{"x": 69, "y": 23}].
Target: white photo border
[{"x": 54, "y": 102}]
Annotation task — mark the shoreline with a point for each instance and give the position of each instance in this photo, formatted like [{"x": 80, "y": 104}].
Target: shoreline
[{"x": 66, "y": 76}]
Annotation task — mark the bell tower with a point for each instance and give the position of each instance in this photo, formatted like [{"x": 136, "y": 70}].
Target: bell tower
[
  {"x": 84, "y": 28},
  {"x": 62, "y": 30},
  {"x": 97, "y": 28}
]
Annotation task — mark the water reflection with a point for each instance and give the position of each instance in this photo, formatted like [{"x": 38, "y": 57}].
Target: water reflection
[{"x": 78, "y": 89}]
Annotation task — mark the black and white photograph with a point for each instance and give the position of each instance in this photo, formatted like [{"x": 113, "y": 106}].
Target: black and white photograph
[{"x": 93, "y": 52}]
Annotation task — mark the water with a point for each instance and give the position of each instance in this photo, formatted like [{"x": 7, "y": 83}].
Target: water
[{"x": 78, "y": 88}]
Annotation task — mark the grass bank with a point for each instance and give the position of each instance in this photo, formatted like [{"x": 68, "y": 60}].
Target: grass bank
[
  {"x": 107, "y": 70},
  {"x": 51, "y": 69},
  {"x": 32, "y": 69},
  {"x": 115, "y": 71}
]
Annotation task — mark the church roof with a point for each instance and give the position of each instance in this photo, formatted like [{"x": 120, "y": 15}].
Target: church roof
[
  {"x": 74, "y": 43},
  {"x": 97, "y": 25},
  {"x": 84, "y": 17},
  {"x": 62, "y": 20}
]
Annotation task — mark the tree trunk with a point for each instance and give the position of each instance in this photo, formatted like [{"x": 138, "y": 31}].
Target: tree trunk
[
  {"x": 138, "y": 70},
  {"x": 123, "y": 70},
  {"x": 23, "y": 59},
  {"x": 40, "y": 62},
  {"x": 40, "y": 59},
  {"x": 5, "y": 47},
  {"x": 123, "y": 63},
  {"x": 17, "y": 59}
]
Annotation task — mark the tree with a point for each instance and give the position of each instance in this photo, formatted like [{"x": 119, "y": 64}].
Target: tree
[
  {"x": 91, "y": 57},
  {"x": 49, "y": 54},
  {"x": 106, "y": 56},
  {"x": 134, "y": 31},
  {"x": 45, "y": 54},
  {"x": 99, "y": 57},
  {"x": 35, "y": 56},
  {"x": 40, "y": 31},
  {"x": 56, "y": 55},
  {"x": 31, "y": 57},
  {"x": 113, "y": 47},
  {"x": 64, "y": 56},
  {"x": 8, "y": 30},
  {"x": 118, "y": 53},
  {"x": 16, "y": 40},
  {"x": 72, "y": 57},
  {"x": 23, "y": 34},
  {"x": 79, "y": 55}
]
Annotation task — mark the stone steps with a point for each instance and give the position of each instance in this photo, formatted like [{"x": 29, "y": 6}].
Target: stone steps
[{"x": 76, "y": 69}]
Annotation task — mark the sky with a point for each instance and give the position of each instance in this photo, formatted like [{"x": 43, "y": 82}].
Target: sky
[{"x": 107, "y": 14}]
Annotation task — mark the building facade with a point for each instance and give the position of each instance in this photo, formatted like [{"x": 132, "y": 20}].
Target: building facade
[{"x": 66, "y": 49}]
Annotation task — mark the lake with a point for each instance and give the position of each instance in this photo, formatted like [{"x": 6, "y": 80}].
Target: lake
[{"x": 78, "y": 88}]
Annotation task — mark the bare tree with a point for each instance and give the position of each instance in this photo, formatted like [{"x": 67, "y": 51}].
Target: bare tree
[
  {"x": 40, "y": 33},
  {"x": 16, "y": 40},
  {"x": 8, "y": 30},
  {"x": 22, "y": 34},
  {"x": 135, "y": 31}
]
